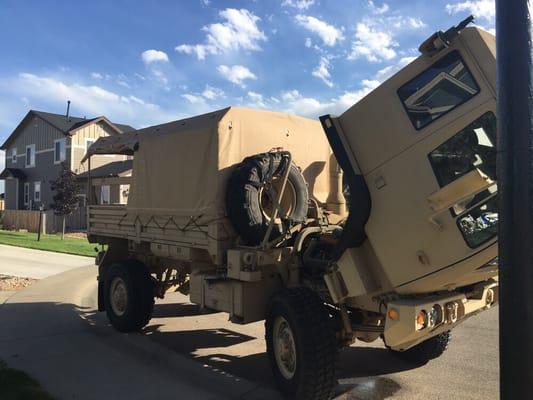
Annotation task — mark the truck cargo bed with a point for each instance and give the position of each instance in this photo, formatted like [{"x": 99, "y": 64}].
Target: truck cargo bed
[{"x": 167, "y": 235}]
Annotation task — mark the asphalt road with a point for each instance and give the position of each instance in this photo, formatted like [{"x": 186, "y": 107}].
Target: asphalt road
[
  {"x": 37, "y": 264},
  {"x": 52, "y": 331}
]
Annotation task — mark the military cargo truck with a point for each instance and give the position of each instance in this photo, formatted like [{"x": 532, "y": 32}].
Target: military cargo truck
[{"x": 380, "y": 223}]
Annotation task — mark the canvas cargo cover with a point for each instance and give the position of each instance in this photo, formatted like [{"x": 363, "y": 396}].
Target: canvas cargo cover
[{"x": 180, "y": 168}]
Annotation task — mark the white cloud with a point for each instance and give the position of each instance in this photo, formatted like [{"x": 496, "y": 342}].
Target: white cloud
[
  {"x": 296, "y": 103},
  {"x": 329, "y": 34},
  {"x": 87, "y": 99},
  {"x": 96, "y": 75},
  {"x": 372, "y": 44},
  {"x": 322, "y": 71},
  {"x": 255, "y": 96},
  {"x": 390, "y": 70},
  {"x": 408, "y": 23},
  {"x": 480, "y": 8},
  {"x": 378, "y": 9},
  {"x": 193, "y": 98},
  {"x": 256, "y": 99},
  {"x": 238, "y": 31},
  {"x": 299, "y": 4},
  {"x": 151, "y": 56},
  {"x": 236, "y": 74},
  {"x": 212, "y": 93},
  {"x": 308, "y": 42}
]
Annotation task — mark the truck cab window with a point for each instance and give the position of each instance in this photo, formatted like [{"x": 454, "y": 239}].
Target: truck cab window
[
  {"x": 473, "y": 147},
  {"x": 445, "y": 85}
]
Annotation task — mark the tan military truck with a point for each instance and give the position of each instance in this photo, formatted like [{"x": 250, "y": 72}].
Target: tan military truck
[{"x": 245, "y": 210}]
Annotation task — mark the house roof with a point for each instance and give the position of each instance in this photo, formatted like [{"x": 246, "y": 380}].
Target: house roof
[
  {"x": 12, "y": 173},
  {"x": 67, "y": 126},
  {"x": 112, "y": 169}
]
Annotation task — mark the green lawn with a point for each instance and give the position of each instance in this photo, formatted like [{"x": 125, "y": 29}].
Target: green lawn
[
  {"x": 48, "y": 242},
  {"x": 17, "y": 385}
]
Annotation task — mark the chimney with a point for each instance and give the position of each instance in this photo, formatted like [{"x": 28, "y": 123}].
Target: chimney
[{"x": 68, "y": 108}]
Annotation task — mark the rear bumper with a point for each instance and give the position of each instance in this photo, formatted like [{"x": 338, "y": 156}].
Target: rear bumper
[{"x": 446, "y": 311}]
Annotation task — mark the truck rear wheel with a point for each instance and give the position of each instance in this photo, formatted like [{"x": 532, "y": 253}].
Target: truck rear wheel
[
  {"x": 252, "y": 191},
  {"x": 301, "y": 345},
  {"x": 426, "y": 351},
  {"x": 128, "y": 296}
]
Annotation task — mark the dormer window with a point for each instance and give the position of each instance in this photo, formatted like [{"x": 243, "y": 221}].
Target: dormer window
[
  {"x": 60, "y": 151},
  {"x": 30, "y": 156}
]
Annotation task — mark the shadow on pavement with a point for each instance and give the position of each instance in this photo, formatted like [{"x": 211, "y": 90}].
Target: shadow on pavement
[{"x": 360, "y": 368}]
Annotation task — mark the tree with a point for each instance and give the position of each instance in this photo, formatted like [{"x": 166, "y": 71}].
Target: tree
[{"x": 67, "y": 190}]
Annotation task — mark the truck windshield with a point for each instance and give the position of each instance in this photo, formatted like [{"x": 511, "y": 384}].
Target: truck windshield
[
  {"x": 445, "y": 85},
  {"x": 472, "y": 147}
]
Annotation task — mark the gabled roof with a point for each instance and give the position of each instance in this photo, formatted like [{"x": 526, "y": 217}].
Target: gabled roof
[
  {"x": 112, "y": 169},
  {"x": 66, "y": 125},
  {"x": 12, "y": 173}
]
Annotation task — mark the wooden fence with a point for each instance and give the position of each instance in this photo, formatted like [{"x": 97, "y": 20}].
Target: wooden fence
[{"x": 29, "y": 220}]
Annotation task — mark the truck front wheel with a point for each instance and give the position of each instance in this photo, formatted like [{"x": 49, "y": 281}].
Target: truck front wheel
[
  {"x": 301, "y": 345},
  {"x": 426, "y": 351},
  {"x": 128, "y": 296}
]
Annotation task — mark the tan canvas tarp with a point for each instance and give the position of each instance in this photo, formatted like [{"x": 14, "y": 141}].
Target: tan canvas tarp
[{"x": 180, "y": 168}]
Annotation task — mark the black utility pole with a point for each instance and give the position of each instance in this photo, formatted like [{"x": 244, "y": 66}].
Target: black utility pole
[{"x": 515, "y": 181}]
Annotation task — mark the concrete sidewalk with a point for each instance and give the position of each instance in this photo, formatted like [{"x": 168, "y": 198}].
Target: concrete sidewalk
[
  {"x": 49, "y": 331},
  {"x": 37, "y": 264}
]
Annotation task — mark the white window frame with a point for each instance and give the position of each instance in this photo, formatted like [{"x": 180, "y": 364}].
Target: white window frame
[
  {"x": 87, "y": 140},
  {"x": 26, "y": 195},
  {"x": 31, "y": 162},
  {"x": 62, "y": 154},
  {"x": 105, "y": 191},
  {"x": 14, "y": 155},
  {"x": 35, "y": 191}
]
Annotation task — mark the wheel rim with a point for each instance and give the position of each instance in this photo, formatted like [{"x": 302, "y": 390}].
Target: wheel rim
[
  {"x": 284, "y": 347},
  {"x": 119, "y": 296},
  {"x": 268, "y": 195}
]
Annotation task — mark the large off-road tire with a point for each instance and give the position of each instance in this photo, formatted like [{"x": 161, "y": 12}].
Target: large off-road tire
[
  {"x": 252, "y": 190},
  {"x": 301, "y": 345},
  {"x": 128, "y": 296},
  {"x": 426, "y": 351}
]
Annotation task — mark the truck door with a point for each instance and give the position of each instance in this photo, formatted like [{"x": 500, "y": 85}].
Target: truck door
[{"x": 425, "y": 143}]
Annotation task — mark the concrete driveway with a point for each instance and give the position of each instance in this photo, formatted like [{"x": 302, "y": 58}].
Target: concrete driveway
[
  {"x": 37, "y": 264},
  {"x": 52, "y": 331}
]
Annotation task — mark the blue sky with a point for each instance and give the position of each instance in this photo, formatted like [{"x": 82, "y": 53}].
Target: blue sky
[{"x": 143, "y": 63}]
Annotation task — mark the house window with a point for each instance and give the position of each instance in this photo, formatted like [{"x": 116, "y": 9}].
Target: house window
[
  {"x": 14, "y": 155},
  {"x": 60, "y": 152},
  {"x": 30, "y": 155},
  {"x": 105, "y": 194},
  {"x": 88, "y": 143},
  {"x": 26, "y": 193},
  {"x": 37, "y": 191}
]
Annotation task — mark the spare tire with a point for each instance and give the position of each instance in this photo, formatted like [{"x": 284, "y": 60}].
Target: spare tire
[{"x": 252, "y": 191}]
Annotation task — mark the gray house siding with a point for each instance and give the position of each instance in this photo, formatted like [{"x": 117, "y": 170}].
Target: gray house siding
[{"x": 43, "y": 136}]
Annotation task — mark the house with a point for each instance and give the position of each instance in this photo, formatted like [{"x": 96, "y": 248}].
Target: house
[
  {"x": 104, "y": 191},
  {"x": 39, "y": 144}
]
